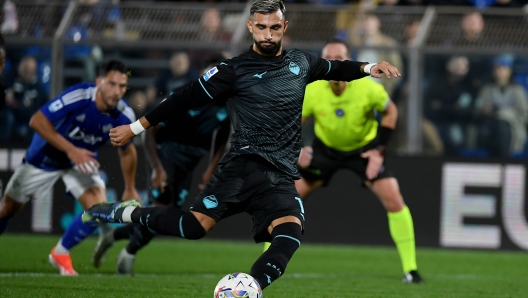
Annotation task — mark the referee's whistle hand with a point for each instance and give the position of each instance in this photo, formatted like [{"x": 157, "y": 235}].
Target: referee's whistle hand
[
  {"x": 121, "y": 135},
  {"x": 305, "y": 157},
  {"x": 384, "y": 68}
]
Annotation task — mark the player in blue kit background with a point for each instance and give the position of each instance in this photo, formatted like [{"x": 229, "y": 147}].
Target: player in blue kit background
[{"x": 69, "y": 131}]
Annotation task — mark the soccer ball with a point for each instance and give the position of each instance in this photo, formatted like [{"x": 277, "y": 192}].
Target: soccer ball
[{"x": 238, "y": 285}]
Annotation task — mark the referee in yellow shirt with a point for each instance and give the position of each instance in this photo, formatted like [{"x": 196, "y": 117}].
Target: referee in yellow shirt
[{"x": 348, "y": 137}]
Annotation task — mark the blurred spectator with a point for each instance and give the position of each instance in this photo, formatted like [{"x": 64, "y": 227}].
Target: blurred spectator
[
  {"x": 449, "y": 104},
  {"x": 473, "y": 34},
  {"x": 23, "y": 99},
  {"x": 502, "y": 111},
  {"x": 179, "y": 74},
  {"x": 139, "y": 103},
  {"x": 369, "y": 34},
  {"x": 472, "y": 29},
  {"x": 211, "y": 28}
]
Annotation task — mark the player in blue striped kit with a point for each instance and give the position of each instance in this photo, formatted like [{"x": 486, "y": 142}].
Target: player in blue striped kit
[{"x": 69, "y": 131}]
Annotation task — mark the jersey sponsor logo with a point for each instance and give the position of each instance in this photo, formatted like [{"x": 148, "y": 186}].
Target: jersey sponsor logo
[
  {"x": 260, "y": 75},
  {"x": 55, "y": 106},
  {"x": 107, "y": 127},
  {"x": 211, "y": 72},
  {"x": 78, "y": 135},
  {"x": 210, "y": 202},
  {"x": 294, "y": 68},
  {"x": 223, "y": 63},
  {"x": 340, "y": 113},
  {"x": 80, "y": 118}
]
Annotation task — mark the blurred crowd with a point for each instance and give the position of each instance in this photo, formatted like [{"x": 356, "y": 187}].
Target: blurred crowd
[{"x": 473, "y": 104}]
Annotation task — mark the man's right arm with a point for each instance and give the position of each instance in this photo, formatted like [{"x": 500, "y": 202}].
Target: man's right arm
[{"x": 216, "y": 84}]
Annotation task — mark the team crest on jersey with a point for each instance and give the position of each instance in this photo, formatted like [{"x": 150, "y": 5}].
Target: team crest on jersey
[
  {"x": 294, "y": 68},
  {"x": 211, "y": 72}
]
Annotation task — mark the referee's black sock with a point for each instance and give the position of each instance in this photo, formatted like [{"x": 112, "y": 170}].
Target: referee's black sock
[
  {"x": 272, "y": 263},
  {"x": 140, "y": 237},
  {"x": 169, "y": 220}
]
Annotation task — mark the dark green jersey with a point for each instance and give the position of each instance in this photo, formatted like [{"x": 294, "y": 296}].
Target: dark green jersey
[{"x": 264, "y": 100}]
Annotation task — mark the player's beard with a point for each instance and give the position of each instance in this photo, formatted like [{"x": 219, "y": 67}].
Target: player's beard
[{"x": 271, "y": 50}]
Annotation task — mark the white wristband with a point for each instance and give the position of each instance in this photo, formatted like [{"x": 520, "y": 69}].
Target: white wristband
[
  {"x": 137, "y": 128},
  {"x": 368, "y": 67}
]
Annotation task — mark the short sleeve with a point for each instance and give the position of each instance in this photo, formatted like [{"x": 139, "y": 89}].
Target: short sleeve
[
  {"x": 379, "y": 97},
  {"x": 58, "y": 108},
  {"x": 307, "y": 109}
]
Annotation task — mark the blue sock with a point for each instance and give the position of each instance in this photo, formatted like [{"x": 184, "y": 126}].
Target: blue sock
[
  {"x": 76, "y": 232},
  {"x": 3, "y": 225}
]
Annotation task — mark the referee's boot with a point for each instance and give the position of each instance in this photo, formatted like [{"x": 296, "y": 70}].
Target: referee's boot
[{"x": 412, "y": 277}]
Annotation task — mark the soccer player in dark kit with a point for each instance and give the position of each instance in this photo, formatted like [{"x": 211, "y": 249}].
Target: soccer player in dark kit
[{"x": 264, "y": 88}]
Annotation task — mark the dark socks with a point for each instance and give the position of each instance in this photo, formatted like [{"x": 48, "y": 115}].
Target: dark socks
[
  {"x": 169, "y": 221},
  {"x": 272, "y": 263}
]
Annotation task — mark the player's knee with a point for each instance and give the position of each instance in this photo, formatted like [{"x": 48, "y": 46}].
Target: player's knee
[
  {"x": 92, "y": 196},
  {"x": 190, "y": 227},
  {"x": 287, "y": 237},
  {"x": 394, "y": 202}
]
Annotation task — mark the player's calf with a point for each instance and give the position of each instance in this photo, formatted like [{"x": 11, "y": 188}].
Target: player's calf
[
  {"x": 169, "y": 221},
  {"x": 159, "y": 220},
  {"x": 272, "y": 263}
]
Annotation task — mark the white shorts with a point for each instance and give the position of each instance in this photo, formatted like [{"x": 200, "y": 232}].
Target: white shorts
[{"x": 29, "y": 182}]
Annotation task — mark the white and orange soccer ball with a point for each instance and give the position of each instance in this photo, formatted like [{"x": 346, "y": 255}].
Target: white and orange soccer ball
[{"x": 238, "y": 285}]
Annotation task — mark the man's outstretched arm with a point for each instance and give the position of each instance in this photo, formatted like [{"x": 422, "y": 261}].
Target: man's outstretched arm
[
  {"x": 216, "y": 84},
  {"x": 333, "y": 70}
]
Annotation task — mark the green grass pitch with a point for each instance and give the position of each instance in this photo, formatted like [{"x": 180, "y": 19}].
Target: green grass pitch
[{"x": 180, "y": 268}]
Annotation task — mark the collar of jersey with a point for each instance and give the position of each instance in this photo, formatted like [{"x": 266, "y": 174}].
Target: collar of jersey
[{"x": 265, "y": 58}]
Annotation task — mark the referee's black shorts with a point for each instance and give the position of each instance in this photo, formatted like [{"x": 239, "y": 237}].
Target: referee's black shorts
[
  {"x": 248, "y": 183},
  {"x": 326, "y": 161}
]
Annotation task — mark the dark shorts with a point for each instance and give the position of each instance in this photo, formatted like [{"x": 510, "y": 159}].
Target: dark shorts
[
  {"x": 179, "y": 162},
  {"x": 326, "y": 161},
  {"x": 248, "y": 183}
]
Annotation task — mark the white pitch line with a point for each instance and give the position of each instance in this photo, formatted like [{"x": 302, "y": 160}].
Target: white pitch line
[{"x": 293, "y": 275}]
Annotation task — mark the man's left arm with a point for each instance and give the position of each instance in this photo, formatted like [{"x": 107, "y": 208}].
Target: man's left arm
[
  {"x": 128, "y": 158},
  {"x": 333, "y": 70}
]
